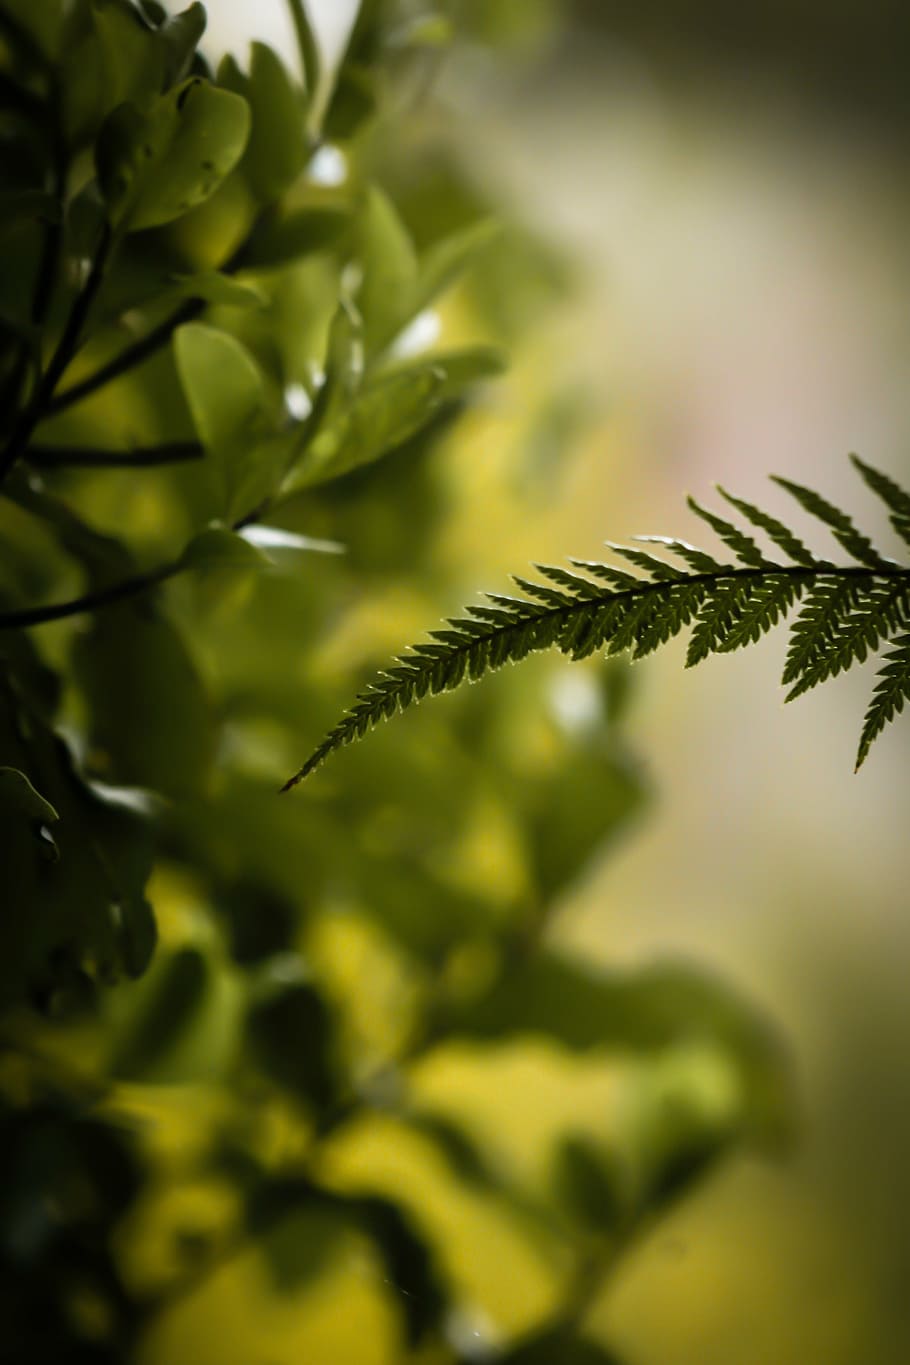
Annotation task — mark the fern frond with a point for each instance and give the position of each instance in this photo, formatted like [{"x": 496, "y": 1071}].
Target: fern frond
[
  {"x": 891, "y": 494},
  {"x": 853, "y": 540},
  {"x": 891, "y": 691},
  {"x": 846, "y": 613},
  {"x": 775, "y": 530}
]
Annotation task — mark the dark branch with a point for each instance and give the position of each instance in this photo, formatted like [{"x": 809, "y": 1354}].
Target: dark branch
[
  {"x": 127, "y": 359},
  {"x": 90, "y": 601},
  {"x": 88, "y": 457},
  {"x": 39, "y": 405}
]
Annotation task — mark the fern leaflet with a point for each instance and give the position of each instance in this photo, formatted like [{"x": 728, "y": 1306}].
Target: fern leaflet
[{"x": 846, "y": 613}]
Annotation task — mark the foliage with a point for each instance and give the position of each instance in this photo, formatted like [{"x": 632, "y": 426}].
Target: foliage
[
  {"x": 847, "y": 613},
  {"x": 219, "y": 447}
]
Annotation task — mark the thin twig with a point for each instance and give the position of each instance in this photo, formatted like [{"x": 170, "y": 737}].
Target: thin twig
[
  {"x": 127, "y": 359},
  {"x": 39, "y": 404},
  {"x": 88, "y": 457}
]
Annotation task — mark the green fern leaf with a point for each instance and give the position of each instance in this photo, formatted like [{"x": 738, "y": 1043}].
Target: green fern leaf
[
  {"x": 877, "y": 613},
  {"x": 743, "y": 546},
  {"x": 853, "y": 540},
  {"x": 891, "y": 494},
  {"x": 769, "y": 600},
  {"x": 824, "y": 613},
  {"x": 846, "y": 613},
  {"x": 775, "y": 530},
  {"x": 891, "y": 691}
]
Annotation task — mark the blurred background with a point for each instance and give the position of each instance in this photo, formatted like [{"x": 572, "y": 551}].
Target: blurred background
[
  {"x": 710, "y": 284},
  {"x": 729, "y": 189},
  {"x": 727, "y": 193}
]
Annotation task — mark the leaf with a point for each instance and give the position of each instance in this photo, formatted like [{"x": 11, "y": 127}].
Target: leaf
[
  {"x": 175, "y": 996},
  {"x": 18, "y": 796},
  {"x": 387, "y": 297},
  {"x": 155, "y": 167},
  {"x": 277, "y": 148},
  {"x": 589, "y": 1185},
  {"x": 784, "y": 538},
  {"x": 179, "y": 36},
  {"x": 455, "y": 371},
  {"x": 891, "y": 691},
  {"x": 636, "y": 1012},
  {"x": 150, "y": 722},
  {"x": 291, "y": 1032},
  {"x": 891, "y": 494},
  {"x": 377, "y": 420},
  {"x": 217, "y": 288},
  {"x": 446, "y": 260},
  {"x": 853, "y": 541},
  {"x": 743, "y": 546},
  {"x": 319, "y": 225},
  {"x": 217, "y": 547},
  {"x": 297, "y": 1227},
  {"x": 409, "y": 1264},
  {"x": 225, "y": 390},
  {"x": 77, "y": 912},
  {"x": 307, "y": 46}
]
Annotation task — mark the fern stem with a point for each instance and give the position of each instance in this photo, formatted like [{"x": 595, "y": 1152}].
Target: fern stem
[{"x": 438, "y": 668}]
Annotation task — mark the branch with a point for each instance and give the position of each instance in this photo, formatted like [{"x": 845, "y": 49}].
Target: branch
[
  {"x": 24, "y": 617},
  {"x": 39, "y": 406},
  {"x": 90, "y": 601},
  {"x": 128, "y": 359},
  {"x": 87, "y": 457}
]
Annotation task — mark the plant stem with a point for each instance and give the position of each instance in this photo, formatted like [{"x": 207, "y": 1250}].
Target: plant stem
[
  {"x": 127, "y": 359},
  {"x": 38, "y": 407},
  {"x": 23, "y": 618},
  {"x": 78, "y": 457}
]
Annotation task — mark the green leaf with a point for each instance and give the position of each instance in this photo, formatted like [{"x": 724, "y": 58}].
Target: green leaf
[
  {"x": 589, "y": 1185},
  {"x": 291, "y": 1032},
  {"x": 218, "y": 547},
  {"x": 456, "y": 371},
  {"x": 155, "y": 167},
  {"x": 774, "y": 529},
  {"x": 354, "y": 101},
  {"x": 891, "y": 494},
  {"x": 175, "y": 995},
  {"x": 77, "y": 909},
  {"x": 376, "y": 421},
  {"x": 743, "y": 546},
  {"x": 387, "y": 297},
  {"x": 19, "y": 796},
  {"x": 891, "y": 691},
  {"x": 225, "y": 390},
  {"x": 277, "y": 149},
  {"x": 408, "y": 1262},
  {"x": 647, "y": 1011},
  {"x": 179, "y": 36},
  {"x": 318, "y": 225},
  {"x": 224, "y": 291},
  {"x": 853, "y": 541},
  {"x": 447, "y": 259},
  {"x": 307, "y": 46},
  {"x": 150, "y": 723}
]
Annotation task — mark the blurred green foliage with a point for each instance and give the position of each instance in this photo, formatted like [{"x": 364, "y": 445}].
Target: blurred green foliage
[{"x": 221, "y": 468}]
